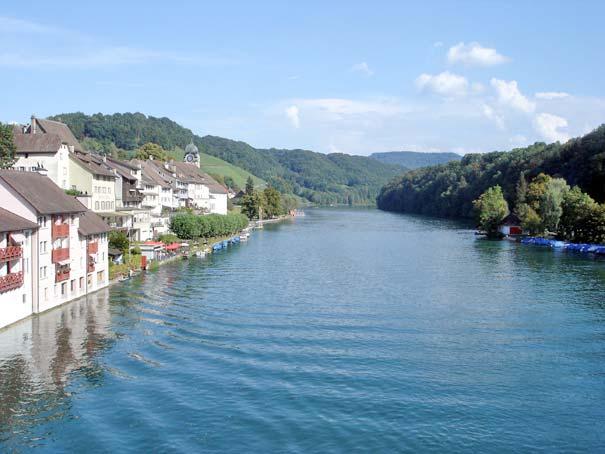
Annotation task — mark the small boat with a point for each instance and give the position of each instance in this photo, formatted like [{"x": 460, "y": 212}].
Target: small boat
[
  {"x": 225, "y": 243},
  {"x": 200, "y": 254},
  {"x": 217, "y": 246}
]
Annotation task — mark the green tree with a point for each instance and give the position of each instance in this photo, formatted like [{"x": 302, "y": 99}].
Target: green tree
[
  {"x": 152, "y": 149},
  {"x": 491, "y": 208},
  {"x": 252, "y": 204},
  {"x": 550, "y": 203},
  {"x": 249, "y": 185},
  {"x": 119, "y": 240},
  {"x": 530, "y": 220},
  {"x": 7, "y": 147},
  {"x": 272, "y": 202}
]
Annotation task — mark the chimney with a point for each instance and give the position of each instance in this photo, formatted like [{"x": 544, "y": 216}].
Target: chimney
[{"x": 33, "y": 127}]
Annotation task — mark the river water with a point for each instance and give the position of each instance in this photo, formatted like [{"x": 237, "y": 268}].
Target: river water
[{"x": 343, "y": 331}]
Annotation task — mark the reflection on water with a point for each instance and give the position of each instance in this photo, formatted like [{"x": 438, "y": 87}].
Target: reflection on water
[
  {"x": 37, "y": 357},
  {"x": 343, "y": 331}
]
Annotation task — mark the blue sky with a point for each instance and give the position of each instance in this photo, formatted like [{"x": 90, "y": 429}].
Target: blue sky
[{"x": 356, "y": 77}]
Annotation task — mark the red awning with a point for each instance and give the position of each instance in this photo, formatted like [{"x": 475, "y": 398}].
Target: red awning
[{"x": 173, "y": 246}]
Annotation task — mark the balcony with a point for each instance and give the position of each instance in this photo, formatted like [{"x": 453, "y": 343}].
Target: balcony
[
  {"x": 10, "y": 253},
  {"x": 91, "y": 264},
  {"x": 62, "y": 273},
  {"x": 59, "y": 231},
  {"x": 59, "y": 255},
  {"x": 93, "y": 248},
  {"x": 11, "y": 281}
]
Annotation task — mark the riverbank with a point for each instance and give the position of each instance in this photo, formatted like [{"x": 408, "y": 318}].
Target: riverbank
[{"x": 132, "y": 268}]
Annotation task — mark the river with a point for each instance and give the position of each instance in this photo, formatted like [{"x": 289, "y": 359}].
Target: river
[{"x": 342, "y": 331}]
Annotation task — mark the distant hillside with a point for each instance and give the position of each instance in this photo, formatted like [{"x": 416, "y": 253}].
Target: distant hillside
[
  {"x": 414, "y": 159},
  {"x": 449, "y": 189},
  {"x": 319, "y": 178}
]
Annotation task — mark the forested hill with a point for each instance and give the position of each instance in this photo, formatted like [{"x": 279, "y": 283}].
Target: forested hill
[
  {"x": 414, "y": 159},
  {"x": 449, "y": 189},
  {"x": 319, "y": 178}
]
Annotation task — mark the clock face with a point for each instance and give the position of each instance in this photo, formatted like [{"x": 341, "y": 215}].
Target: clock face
[{"x": 189, "y": 158}]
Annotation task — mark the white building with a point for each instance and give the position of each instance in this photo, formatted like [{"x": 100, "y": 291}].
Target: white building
[
  {"x": 16, "y": 280},
  {"x": 44, "y": 146},
  {"x": 60, "y": 252},
  {"x": 89, "y": 175}
]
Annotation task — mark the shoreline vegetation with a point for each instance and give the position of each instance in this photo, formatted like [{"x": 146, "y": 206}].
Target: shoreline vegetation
[{"x": 554, "y": 190}]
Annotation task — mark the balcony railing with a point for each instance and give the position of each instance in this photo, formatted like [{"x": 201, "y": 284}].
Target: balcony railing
[
  {"x": 10, "y": 253},
  {"x": 62, "y": 274},
  {"x": 11, "y": 281},
  {"x": 60, "y": 231},
  {"x": 93, "y": 248},
  {"x": 58, "y": 255}
]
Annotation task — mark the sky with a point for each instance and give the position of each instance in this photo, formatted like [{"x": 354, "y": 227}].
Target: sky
[{"x": 337, "y": 76}]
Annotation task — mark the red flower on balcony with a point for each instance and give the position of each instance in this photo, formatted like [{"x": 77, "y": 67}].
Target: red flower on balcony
[
  {"x": 10, "y": 253},
  {"x": 62, "y": 273},
  {"x": 11, "y": 281}
]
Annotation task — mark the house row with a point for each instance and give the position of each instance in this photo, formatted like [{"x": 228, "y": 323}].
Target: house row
[
  {"x": 134, "y": 196},
  {"x": 52, "y": 248}
]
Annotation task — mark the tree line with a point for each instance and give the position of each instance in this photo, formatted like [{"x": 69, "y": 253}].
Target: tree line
[{"x": 449, "y": 190}]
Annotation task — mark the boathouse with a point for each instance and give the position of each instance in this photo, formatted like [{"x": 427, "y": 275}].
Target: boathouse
[{"x": 511, "y": 225}]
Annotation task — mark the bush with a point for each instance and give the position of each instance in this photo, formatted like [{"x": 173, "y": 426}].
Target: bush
[
  {"x": 168, "y": 238},
  {"x": 190, "y": 226}
]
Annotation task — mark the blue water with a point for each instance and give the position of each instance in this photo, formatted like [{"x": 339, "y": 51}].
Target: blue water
[{"x": 343, "y": 331}]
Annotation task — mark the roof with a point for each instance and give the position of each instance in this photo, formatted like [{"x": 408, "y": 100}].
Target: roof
[
  {"x": 37, "y": 143},
  {"x": 93, "y": 163},
  {"x": 122, "y": 167},
  {"x": 192, "y": 174},
  {"x": 92, "y": 224},
  {"x": 114, "y": 252},
  {"x": 151, "y": 176},
  {"x": 10, "y": 222},
  {"x": 57, "y": 128},
  {"x": 40, "y": 192},
  {"x": 511, "y": 219},
  {"x": 127, "y": 164}
]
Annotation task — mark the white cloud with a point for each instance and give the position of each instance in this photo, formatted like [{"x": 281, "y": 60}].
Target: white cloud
[
  {"x": 445, "y": 84},
  {"x": 342, "y": 106},
  {"x": 510, "y": 95},
  {"x": 292, "y": 113},
  {"x": 549, "y": 125},
  {"x": 362, "y": 68},
  {"x": 491, "y": 114},
  {"x": 552, "y": 95},
  {"x": 474, "y": 54}
]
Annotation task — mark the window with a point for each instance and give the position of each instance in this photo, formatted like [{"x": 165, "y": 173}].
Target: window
[
  {"x": 99, "y": 277},
  {"x": 42, "y": 272},
  {"x": 81, "y": 283},
  {"x": 72, "y": 285},
  {"x": 24, "y": 298},
  {"x": 97, "y": 206},
  {"x": 64, "y": 289},
  {"x": 45, "y": 293},
  {"x": 89, "y": 280}
]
